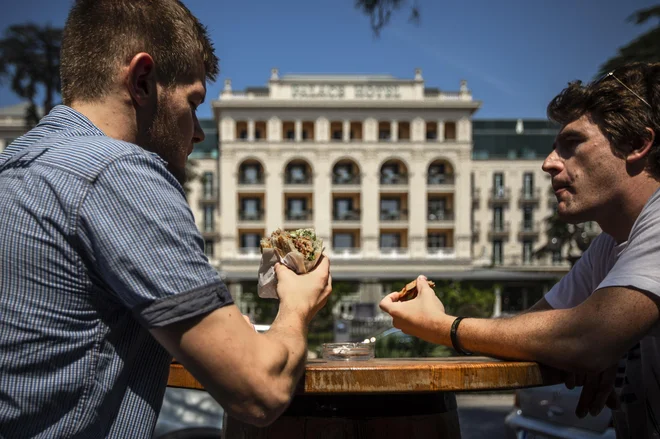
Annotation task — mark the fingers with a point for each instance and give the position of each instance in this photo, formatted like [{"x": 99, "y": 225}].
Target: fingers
[
  {"x": 606, "y": 389},
  {"x": 596, "y": 391},
  {"x": 613, "y": 401},
  {"x": 587, "y": 396},
  {"x": 388, "y": 302},
  {"x": 569, "y": 380},
  {"x": 247, "y": 319}
]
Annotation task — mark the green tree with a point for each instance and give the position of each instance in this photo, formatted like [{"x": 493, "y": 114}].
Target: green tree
[
  {"x": 30, "y": 60},
  {"x": 380, "y": 11},
  {"x": 561, "y": 236},
  {"x": 645, "y": 48}
]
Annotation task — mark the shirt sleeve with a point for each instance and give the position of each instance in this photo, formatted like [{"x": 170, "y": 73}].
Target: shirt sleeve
[
  {"x": 141, "y": 239},
  {"x": 578, "y": 284},
  {"x": 637, "y": 265}
]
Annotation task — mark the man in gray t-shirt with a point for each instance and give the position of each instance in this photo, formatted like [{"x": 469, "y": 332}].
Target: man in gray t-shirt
[{"x": 605, "y": 167}]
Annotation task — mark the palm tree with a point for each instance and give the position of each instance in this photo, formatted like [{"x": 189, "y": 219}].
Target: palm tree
[
  {"x": 572, "y": 237},
  {"x": 645, "y": 48},
  {"x": 30, "y": 60},
  {"x": 380, "y": 11}
]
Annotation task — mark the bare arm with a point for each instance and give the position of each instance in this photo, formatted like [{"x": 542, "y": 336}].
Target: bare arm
[
  {"x": 252, "y": 375},
  {"x": 587, "y": 338}
]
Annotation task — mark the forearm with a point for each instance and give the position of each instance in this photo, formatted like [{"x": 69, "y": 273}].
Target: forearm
[{"x": 558, "y": 338}]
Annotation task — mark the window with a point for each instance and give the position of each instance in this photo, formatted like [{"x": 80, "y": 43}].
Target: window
[
  {"x": 404, "y": 130},
  {"x": 343, "y": 208},
  {"x": 207, "y": 181},
  {"x": 384, "y": 131},
  {"x": 296, "y": 208},
  {"x": 431, "y": 130},
  {"x": 208, "y": 218},
  {"x": 356, "y": 131},
  {"x": 497, "y": 252},
  {"x": 257, "y": 134},
  {"x": 251, "y": 174},
  {"x": 437, "y": 208},
  {"x": 528, "y": 218},
  {"x": 528, "y": 185},
  {"x": 342, "y": 240},
  {"x": 390, "y": 240},
  {"x": 390, "y": 174},
  {"x": 305, "y": 135},
  {"x": 436, "y": 240},
  {"x": 343, "y": 173},
  {"x": 436, "y": 174},
  {"x": 498, "y": 184},
  {"x": 290, "y": 135},
  {"x": 337, "y": 135},
  {"x": 250, "y": 240},
  {"x": 297, "y": 174},
  {"x": 243, "y": 135},
  {"x": 390, "y": 209},
  {"x": 498, "y": 219},
  {"x": 251, "y": 209},
  {"x": 450, "y": 130},
  {"x": 208, "y": 247},
  {"x": 528, "y": 250}
]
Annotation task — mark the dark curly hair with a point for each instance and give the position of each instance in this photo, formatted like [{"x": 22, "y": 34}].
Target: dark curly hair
[{"x": 621, "y": 114}]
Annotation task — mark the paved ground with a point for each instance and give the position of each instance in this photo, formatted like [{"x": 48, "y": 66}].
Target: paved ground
[{"x": 482, "y": 415}]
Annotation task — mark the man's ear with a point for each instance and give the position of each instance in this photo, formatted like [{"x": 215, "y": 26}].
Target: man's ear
[
  {"x": 141, "y": 79},
  {"x": 637, "y": 154}
]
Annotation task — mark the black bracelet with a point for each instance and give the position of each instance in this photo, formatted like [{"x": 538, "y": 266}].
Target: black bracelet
[{"x": 454, "y": 338}]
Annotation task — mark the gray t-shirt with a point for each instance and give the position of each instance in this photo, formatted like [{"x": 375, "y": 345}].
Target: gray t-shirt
[{"x": 633, "y": 263}]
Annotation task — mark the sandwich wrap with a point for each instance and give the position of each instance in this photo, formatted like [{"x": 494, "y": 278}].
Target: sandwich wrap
[{"x": 299, "y": 250}]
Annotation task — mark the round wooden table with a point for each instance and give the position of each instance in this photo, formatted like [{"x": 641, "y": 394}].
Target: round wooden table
[{"x": 382, "y": 398}]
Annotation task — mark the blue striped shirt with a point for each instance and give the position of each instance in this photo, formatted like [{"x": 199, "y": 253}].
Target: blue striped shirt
[{"x": 97, "y": 245}]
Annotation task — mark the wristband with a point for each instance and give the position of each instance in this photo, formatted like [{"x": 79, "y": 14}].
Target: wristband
[{"x": 454, "y": 337}]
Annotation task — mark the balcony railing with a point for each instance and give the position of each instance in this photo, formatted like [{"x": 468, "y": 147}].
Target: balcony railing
[
  {"x": 499, "y": 229},
  {"x": 393, "y": 215},
  {"x": 529, "y": 228},
  {"x": 476, "y": 195},
  {"x": 438, "y": 179},
  {"x": 394, "y": 179},
  {"x": 347, "y": 252},
  {"x": 476, "y": 228},
  {"x": 345, "y": 179},
  {"x": 530, "y": 195},
  {"x": 249, "y": 253},
  {"x": 251, "y": 216},
  {"x": 394, "y": 252},
  {"x": 209, "y": 196},
  {"x": 304, "y": 215},
  {"x": 441, "y": 252},
  {"x": 251, "y": 181},
  {"x": 440, "y": 215},
  {"x": 290, "y": 180},
  {"x": 353, "y": 215},
  {"x": 500, "y": 195}
]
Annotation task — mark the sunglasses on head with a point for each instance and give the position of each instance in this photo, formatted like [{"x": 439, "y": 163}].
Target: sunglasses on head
[{"x": 607, "y": 75}]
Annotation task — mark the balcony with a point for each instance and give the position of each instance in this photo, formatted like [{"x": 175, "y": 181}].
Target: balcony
[
  {"x": 441, "y": 217},
  {"x": 394, "y": 216},
  {"x": 209, "y": 196},
  {"x": 441, "y": 253},
  {"x": 529, "y": 229},
  {"x": 344, "y": 180},
  {"x": 249, "y": 253},
  {"x": 528, "y": 196},
  {"x": 305, "y": 215},
  {"x": 251, "y": 217},
  {"x": 393, "y": 179},
  {"x": 253, "y": 181},
  {"x": 347, "y": 253},
  {"x": 437, "y": 183},
  {"x": 500, "y": 195},
  {"x": 394, "y": 253},
  {"x": 499, "y": 230},
  {"x": 347, "y": 219}
]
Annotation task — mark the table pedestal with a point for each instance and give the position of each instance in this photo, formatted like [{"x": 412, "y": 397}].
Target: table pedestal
[{"x": 388, "y": 415}]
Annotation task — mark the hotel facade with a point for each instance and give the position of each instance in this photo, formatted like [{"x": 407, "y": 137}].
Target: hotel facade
[{"x": 396, "y": 177}]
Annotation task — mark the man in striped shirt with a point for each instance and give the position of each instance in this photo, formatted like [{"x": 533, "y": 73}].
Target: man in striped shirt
[{"x": 102, "y": 271}]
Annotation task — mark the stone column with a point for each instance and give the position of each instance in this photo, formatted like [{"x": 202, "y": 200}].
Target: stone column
[
  {"x": 298, "y": 130},
  {"x": 497, "y": 306}
]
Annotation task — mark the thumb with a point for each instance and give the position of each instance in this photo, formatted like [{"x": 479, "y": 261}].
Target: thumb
[
  {"x": 389, "y": 301},
  {"x": 422, "y": 284}
]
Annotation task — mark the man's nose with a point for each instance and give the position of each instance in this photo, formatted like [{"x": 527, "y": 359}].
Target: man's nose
[
  {"x": 552, "y": 163},
  {"x": 198, "y": 134}
]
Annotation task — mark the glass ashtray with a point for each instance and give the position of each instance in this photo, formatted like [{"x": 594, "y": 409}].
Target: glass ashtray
[{"x": 348, "y": 351}]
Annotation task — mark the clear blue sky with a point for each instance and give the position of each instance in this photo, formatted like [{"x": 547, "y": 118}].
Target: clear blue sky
[{"x": 515, "y": 54}]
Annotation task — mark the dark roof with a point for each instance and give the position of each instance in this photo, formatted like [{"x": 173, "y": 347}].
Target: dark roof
[
  {"x": 431, "y": 92},
  {"x": 260, "y": 91},
  {"x": 512, "y": 139}
]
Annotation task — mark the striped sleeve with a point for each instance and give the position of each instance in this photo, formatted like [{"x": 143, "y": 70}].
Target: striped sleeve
[{"x": 140, "y": 237}]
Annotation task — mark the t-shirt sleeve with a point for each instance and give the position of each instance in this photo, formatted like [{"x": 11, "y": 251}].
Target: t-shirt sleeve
[
  {"x": 637, "y": 265},
  {"x": 142, "y": 242},
  {"x": 578, "y": 284}
]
